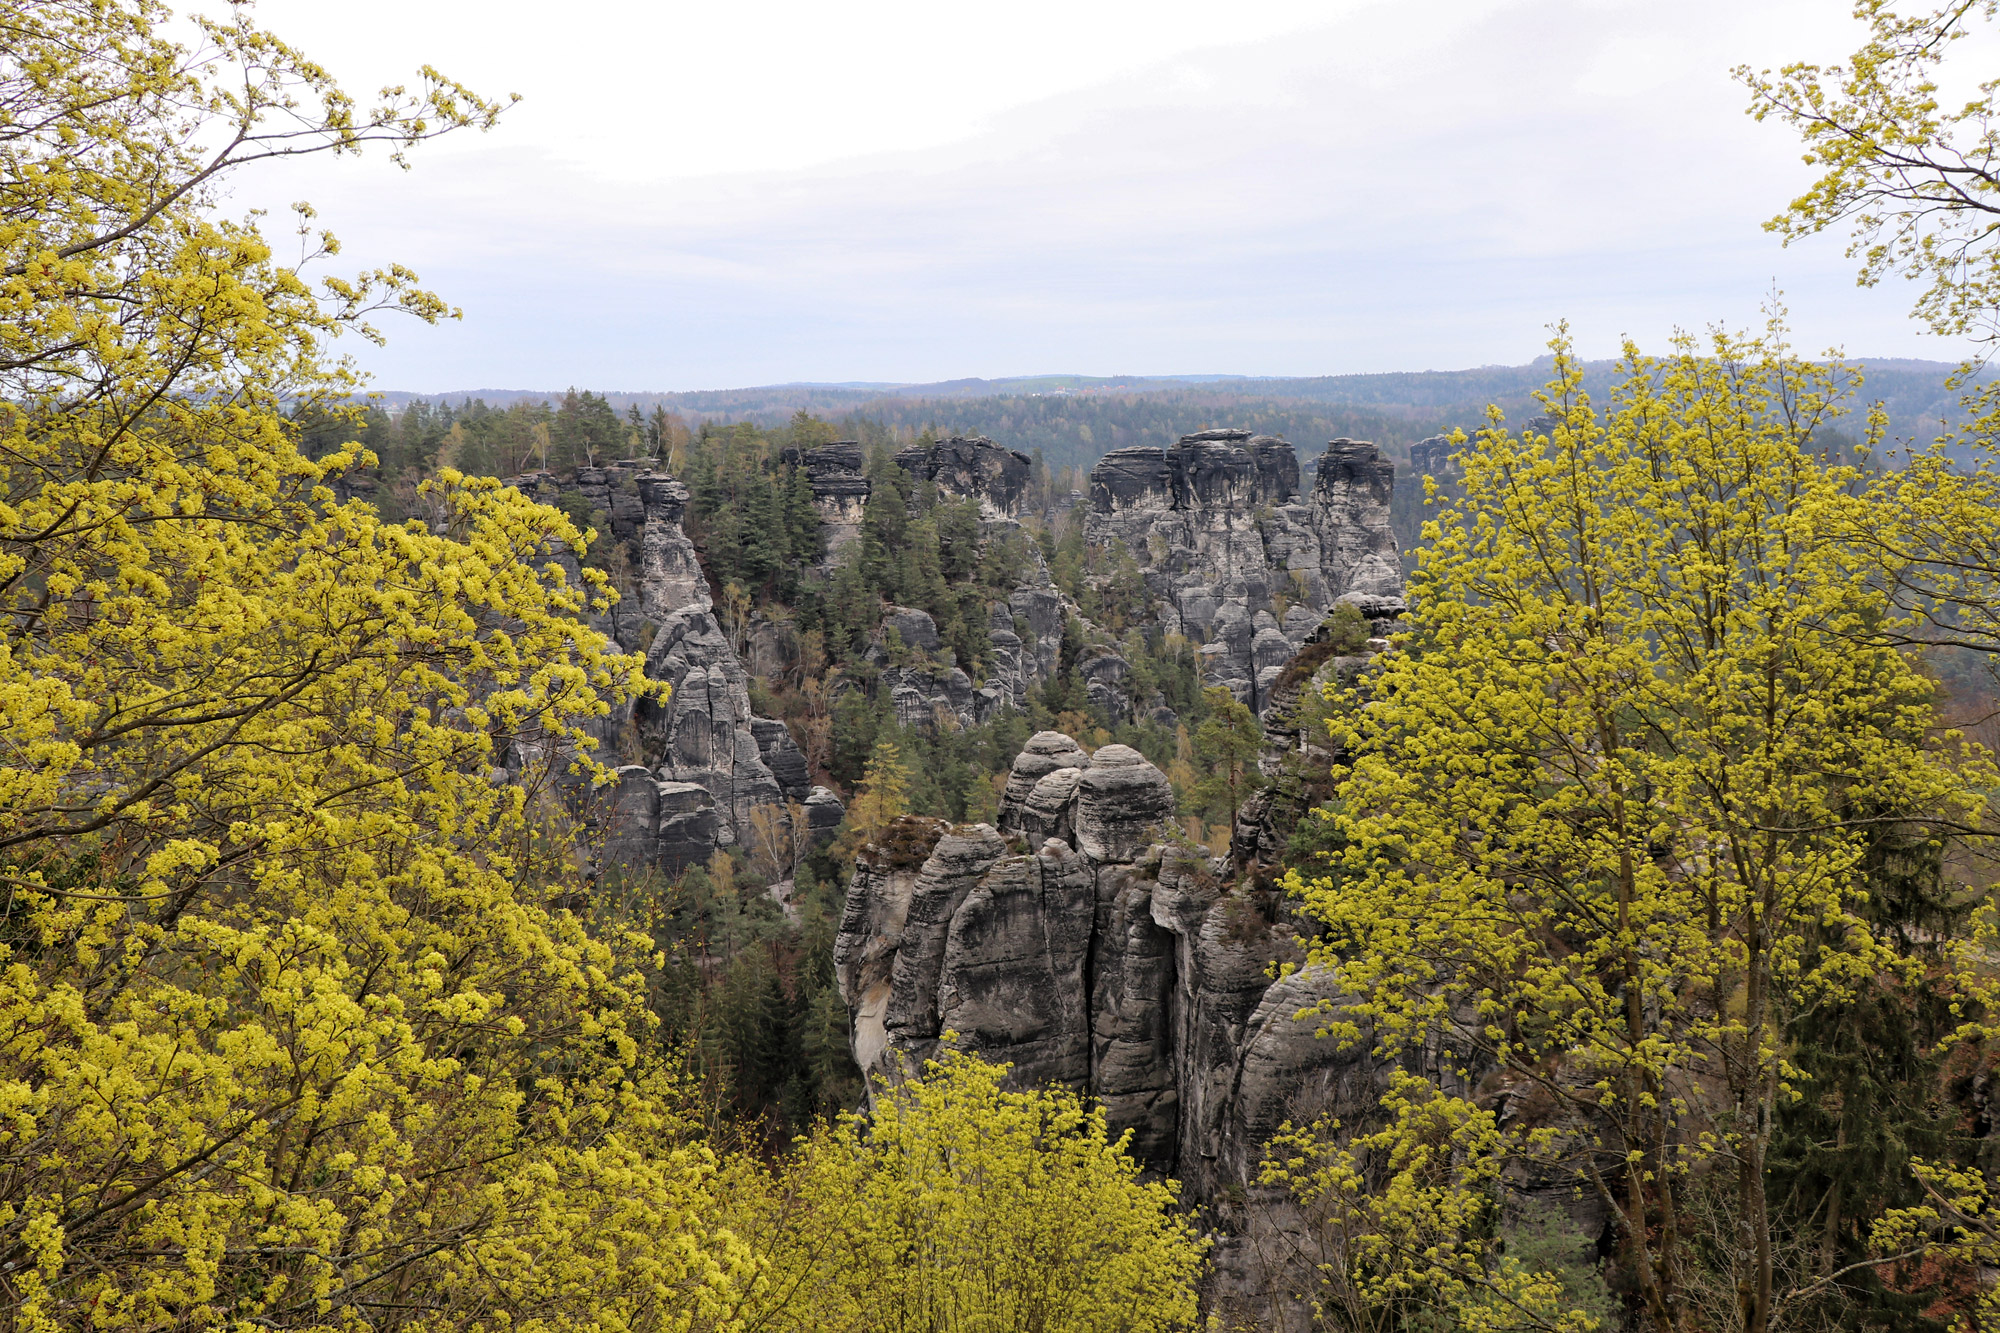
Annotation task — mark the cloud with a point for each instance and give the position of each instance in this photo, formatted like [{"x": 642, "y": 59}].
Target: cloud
[{"x": 1368, "y": 193}]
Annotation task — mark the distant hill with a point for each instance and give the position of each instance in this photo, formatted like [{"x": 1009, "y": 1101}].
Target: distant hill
[{"x": 1075, "y": 419}]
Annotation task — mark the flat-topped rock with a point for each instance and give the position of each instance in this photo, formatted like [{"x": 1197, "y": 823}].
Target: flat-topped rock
[
  {"x": 1222, "y": 535},
  {"x": 970, "y": 467}
]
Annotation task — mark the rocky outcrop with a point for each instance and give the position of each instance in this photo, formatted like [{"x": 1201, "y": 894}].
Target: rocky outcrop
[
  {"x": 1081, "y": 943},
  {"x": 1235, "y": 557},
  {"x": 919, "y": 675},
  {"x": 1434, "y": 457},
  {"x": 971, "y": 468},
  {"x": 712, "y": 760},
  {"x": 1083, "y": 946},
  {"x": 1297, "y": 757},
  {"x": 670, "y": 573},
  {"x": 1350, "y": 517},
  {"x": 839, "y": 486},
  {"x": 1026, "y": 634}
]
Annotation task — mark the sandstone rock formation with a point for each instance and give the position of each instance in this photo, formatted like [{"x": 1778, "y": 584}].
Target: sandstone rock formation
[
  {"x": 840, "y": 489},
  {"x": 1082, "y": 944},
  {"x": 920, "y": 675},
  {"x": 1235, "y": 556},
  {"x": 710, "y": 760},
  {"x": 971, "y": 468},
  {"x": 1026, "y": 633},
  {"x": 1432, "y": 457}
]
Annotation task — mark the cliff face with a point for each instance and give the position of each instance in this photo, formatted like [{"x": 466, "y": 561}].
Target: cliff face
[
  {"x": 840, "y": 490},
  {"x": 971, "y": 468},
  {"x": 1080, "y": 943},
  {"x": 705, "y": 761},
  {"x": 1234, "y": 554},
  {"x": 1236, "y": 557}
]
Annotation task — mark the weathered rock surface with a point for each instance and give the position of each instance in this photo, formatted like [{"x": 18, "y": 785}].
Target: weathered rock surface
[
  {"x": 1297, "y": 758},
  {"x": 971, "y": 468},
  {"x": 840, "y": 489},
  {"x": 712, "y": 759},
  {"x": 670, "y": 574},
  {"x": 1236, "y": 558},
  {"x": 1121, "y": 803},
  {"x": 1433, "y": 457},
  {"x": 1350, "y": 517},
  {"x": 920, "y": 675},
  {"x": 1080, "y": 944}
]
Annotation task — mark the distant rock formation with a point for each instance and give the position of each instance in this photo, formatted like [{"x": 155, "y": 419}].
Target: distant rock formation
[
  {"x": 974, "y": 468},
  {"x": 705, "y": 760},
  {"x": 1235, "y": 557},
  {"x": 1434, "y": 457},
  {"x": 840, "y": 489},
  {"x": 1026, "y": 633},
  {"x": 920, "y": 675}
]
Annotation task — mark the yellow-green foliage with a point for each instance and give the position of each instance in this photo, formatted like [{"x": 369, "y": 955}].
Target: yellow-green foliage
[
  {"x": 1956, "y": 1220},
  {"x": 294, "y": 1033},
  {"x": 963, "y": 1208},
  {"x": 287, "y": 1038},
  {"x": 1607, "y": 809},
  {"x": 1395, "y": 1221},
  {"x": 1914, "y": 176}
]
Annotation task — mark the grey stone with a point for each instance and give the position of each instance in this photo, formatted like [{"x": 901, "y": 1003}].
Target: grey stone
[
  {"x": 704, "y": 736},
  {"x": 970, "y": 468},
  {"x": 916, "y": 628},
  {"x": 633, "y": 814},
  {"x": 1220, "y": 532},
  {"x": 824, "y": 812},
  {"x": 1121, "y": 802},
  {"x": 1103, "y": 958},
  {"x": 1045, "y": 752},
  {"x": 840, "y": 491}
]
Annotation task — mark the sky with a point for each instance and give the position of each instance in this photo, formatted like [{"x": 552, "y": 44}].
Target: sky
[{"x": 716, "y": 195}]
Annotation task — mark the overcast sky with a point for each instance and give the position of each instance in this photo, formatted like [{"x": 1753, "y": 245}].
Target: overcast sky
[{"x": 712, "y": 195}]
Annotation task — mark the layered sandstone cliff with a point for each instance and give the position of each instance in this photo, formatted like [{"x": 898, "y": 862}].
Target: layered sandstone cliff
[
  {"x": 1084, "y": 945},
  {"x": 1236, "y": 556},
  {"x": 701, "y": 762}
]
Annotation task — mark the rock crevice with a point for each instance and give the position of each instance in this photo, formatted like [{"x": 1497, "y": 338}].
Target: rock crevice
[{"x": 1080, "y": 942}]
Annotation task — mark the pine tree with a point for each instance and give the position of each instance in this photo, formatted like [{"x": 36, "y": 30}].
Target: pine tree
[{"x": 1226, "y": 746}]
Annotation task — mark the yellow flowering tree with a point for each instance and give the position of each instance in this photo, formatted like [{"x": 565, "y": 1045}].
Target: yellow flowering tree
[
  {"x": 1608, "y": 812},
  {"x": 961, "y": 1207},
  {"x": 290, "y": 1034}
]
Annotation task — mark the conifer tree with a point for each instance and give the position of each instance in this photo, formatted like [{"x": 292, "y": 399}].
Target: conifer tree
[{"x": 1225, "y": 749}]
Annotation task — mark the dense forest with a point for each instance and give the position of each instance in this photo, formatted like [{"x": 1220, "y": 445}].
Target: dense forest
[
  {"x": 749, "y": 988},
  {"x": 1073, "y": 420},
  {"x": 1646, "y": 870}
]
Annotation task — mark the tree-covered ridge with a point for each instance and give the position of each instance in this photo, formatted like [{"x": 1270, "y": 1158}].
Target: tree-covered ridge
[{"x": 1073, "y": 420}]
